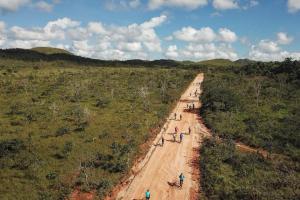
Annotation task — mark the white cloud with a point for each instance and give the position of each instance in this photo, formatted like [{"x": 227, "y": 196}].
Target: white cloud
[
  {"x": 2, "y": 31},
  {"x": 267, "y": 50},
  {"x": 62, "y": 23},
  {"x": 210, "y": 51},
  {"x": 190, "y": 34},
  {"x": 225, "y": 4},
  {"x": 293, "y": 6},
  {"x": 283, "y": 38},
  {"x": 102, "y": 41},
  {"x": 268, "y": 46},
  {"x": 12, "y": 5},
  {"x": 256, "y": 54},
  {"x": 27, "y": 44},
  {"x": 19, "y": 33},
  {"x": 96, "y": 27},
  {"x": 116, "y": 42},
  {"x": 227, "y": 35},
  {"x": 172, "y": 52},
  {"x": 154, "y": 22},
  {"x": 44, "y": 6},
  {"x": 130, "y": 46},
  {"x": 77, "y": 33},
  {"x": 189, "y": 4},
  {"x": 205, "y": 34},
  {"x": 53, "y": 30},
  {"x": 198, "y": 52}
]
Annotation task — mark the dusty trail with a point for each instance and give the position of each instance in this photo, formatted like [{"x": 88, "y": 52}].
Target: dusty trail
[{"x": 161, "y": 167}]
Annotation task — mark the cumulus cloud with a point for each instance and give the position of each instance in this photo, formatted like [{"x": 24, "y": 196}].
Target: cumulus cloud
[
  {"x": 256, "y": 54},
  {"x": 154, "y": 22},
  {"x": 94, "y": 39},
  {"x": 172, "y": 52},
  {"x": 130, "y": 46},
  {"x": 96, "y": 28},
  {"x": 293, "y": 6},
  {"x": 268, "y": 46},
  {"x": 44, "y": 6},
  {"x": 203, "y": 43},
  {"x": 227, "y": 35},
  {"x": 209, "y": 51},
  {"x": 198, "y": 52},
  {"x": 267, "y": 50},
  {"x": 205, "y": 34},
  {"x": 189, "y": 4},
  {"x": 121, "y": 42},
  {"x": 190, "y": 34},
  {"x": 53, "y": 30},
  {"x": 283, "y": 38},
  {"x": 2, "y": 32},
  {"x": 225, "y": 4},
  {"x": 12, "y": 5}
]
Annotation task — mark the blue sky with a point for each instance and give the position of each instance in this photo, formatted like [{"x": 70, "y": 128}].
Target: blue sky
[{"x": 155, "y": 29}]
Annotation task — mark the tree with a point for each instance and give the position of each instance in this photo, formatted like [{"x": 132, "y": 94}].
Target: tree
[{"x": 257, "y": 84}]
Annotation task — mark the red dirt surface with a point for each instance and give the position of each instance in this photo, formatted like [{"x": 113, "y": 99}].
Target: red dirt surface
[{"x": 162, "y": 165}]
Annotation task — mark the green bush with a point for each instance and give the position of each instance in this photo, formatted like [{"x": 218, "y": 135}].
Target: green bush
[{"x": 10, "y": 147}]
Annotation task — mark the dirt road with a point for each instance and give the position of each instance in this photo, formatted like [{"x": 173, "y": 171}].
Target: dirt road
[{"x": 161, "y": 167}]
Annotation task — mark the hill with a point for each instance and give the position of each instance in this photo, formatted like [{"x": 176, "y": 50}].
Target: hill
[
  {"x": 244, "y": 62},
  {"x": 50, "y": 50},
  {"x": 26, "y": 55},
  {"x": 217, "y": 62}
]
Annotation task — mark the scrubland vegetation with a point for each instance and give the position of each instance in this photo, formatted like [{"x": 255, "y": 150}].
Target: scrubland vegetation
[
  {"x": 67, "y": 127},
  {"x": 69, "y": 122},
  {"x": 256, "y": 104}
]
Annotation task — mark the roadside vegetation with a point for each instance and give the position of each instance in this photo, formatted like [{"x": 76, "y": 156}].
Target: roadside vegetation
[
  {"x": 65, "y": 127},
  {"x": 256, "y": 104},
  {"x": 68, "y": 122}
]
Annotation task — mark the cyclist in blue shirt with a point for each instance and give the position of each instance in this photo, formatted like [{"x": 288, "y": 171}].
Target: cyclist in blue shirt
[{"x": 147, "y": 195}]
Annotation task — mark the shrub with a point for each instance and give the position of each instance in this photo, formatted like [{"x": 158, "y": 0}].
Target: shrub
[
  {"x": 62, "y": 131},
  {"x": 51, "y": 176},
  {"x": 102, "y": 102},
  {"x": 10, "y": 147}
]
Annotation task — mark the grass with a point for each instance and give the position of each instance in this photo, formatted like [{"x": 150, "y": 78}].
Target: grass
[{"x": 63, "y": 127}]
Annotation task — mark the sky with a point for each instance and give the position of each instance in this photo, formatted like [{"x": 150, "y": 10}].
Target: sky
[{"x": 195, "y": 30}]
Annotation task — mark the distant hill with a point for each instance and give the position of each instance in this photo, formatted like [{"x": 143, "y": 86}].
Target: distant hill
[
  {"x": 217, "y": 62},
  {"x": 50, "y": 50},
  {"x": 49, "y": 54},
  {"x": 244, "y": 62},
  {"x": 33, "y": 56}
]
